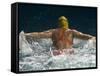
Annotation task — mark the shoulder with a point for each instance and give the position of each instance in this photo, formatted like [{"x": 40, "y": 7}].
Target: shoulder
[
  {"x": 56, "y": 30},
  {"x": 73, "y": 30},
  {"x": 50, "y": 30}
]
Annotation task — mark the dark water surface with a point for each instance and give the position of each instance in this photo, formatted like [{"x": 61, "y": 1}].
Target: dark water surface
[{"x": 43, "y": 17}]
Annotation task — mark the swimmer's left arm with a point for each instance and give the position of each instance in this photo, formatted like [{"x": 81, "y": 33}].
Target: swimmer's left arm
[
  {"x": 82, "y": 35},
  {"x": 44, "y": 34}
]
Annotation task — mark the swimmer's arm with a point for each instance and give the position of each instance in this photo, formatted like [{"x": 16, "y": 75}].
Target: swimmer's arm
[
  {"x": 44, "y": 34},
  {"x": 81, "y": 35}
]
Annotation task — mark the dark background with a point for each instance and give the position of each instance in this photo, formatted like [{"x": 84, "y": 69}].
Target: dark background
[{"x": 33, "y": 17}]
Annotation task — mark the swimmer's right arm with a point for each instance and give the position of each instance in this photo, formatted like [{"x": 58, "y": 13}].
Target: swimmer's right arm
[
  {"x": 82, "y": 35},
  {"x": 44, "y": 34}
]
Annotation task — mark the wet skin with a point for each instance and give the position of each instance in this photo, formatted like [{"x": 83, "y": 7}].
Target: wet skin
[{"x": 62, "y": 38}]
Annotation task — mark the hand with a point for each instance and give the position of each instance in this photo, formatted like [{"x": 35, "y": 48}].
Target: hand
[{"x": 94, "y": 39}]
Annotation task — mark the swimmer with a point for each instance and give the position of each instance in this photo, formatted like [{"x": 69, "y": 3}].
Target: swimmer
[{"x": 62, "y": 36}]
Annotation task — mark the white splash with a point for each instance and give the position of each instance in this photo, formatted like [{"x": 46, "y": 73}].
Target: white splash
[{"x": 37, "y": 55}]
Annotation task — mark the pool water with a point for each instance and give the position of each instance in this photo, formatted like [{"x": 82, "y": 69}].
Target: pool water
[{"x": 37, "y": 54}]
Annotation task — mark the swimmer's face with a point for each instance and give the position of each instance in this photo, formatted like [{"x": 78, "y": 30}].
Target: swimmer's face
[{"x": 63, "y": 22}]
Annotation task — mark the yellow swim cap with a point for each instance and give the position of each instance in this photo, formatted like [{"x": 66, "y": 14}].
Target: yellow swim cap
[{"x": 63, "y": 22}]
